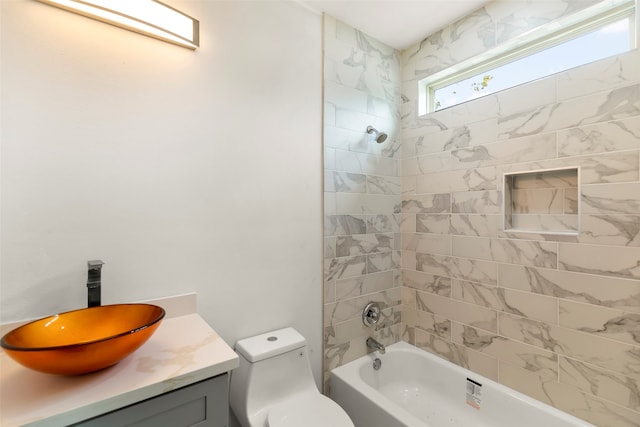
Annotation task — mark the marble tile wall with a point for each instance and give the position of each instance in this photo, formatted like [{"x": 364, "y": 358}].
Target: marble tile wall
[
  {"x": 498, "y": 22},
  {"x": 362, "y": 187},
  {"x": 555, "y": 317}
]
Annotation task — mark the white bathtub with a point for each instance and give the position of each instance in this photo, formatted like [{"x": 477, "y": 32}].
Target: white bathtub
[{"x": 417, "y": 389}]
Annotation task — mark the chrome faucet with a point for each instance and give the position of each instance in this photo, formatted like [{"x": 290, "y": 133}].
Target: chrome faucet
[
  {"x": 375, "y": 345},
  {"x": 94, "y": 282}
]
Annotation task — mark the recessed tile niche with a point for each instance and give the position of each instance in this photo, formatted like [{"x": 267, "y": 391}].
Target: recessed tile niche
[{"x": 542, "y": 201}]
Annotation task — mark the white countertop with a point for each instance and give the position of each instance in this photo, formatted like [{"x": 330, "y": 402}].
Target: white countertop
[{"x": 183, "y": 351}]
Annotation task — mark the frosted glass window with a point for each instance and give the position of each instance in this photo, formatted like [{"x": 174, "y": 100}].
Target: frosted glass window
[{"x": 611, "y": 39}]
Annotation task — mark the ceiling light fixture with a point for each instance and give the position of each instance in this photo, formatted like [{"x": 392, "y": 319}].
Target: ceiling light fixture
[{"x": 148, "y": 17}]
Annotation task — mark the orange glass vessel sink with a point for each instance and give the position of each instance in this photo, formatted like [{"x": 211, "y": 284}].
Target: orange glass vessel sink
[{"x": 83, "y": 341}]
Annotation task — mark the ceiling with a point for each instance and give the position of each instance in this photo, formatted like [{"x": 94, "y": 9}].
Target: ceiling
[{"x": 397, "y": 23}]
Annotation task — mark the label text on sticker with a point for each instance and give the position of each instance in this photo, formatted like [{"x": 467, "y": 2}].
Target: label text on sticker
[{"x": 474, "y": 393}]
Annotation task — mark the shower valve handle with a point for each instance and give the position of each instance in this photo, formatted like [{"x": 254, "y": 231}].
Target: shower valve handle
[{"x": 371, "y": 314}]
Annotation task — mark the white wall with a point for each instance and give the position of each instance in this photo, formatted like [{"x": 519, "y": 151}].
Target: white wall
[{"x": 184, "y": 171}]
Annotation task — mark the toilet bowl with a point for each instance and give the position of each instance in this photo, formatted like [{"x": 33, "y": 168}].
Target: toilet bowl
[{"x": 274, "y": 386}]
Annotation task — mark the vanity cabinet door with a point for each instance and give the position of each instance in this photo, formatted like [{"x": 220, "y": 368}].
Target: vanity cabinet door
[{"x": 203, "y": 404}]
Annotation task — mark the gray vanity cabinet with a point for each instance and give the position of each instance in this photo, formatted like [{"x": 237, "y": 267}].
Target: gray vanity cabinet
[{"x": 203, "y": 404}]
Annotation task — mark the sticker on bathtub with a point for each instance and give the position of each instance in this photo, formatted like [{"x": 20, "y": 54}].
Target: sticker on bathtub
[{"x": 474, "y": 392}]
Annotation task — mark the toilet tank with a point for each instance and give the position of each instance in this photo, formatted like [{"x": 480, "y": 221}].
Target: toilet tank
[{"x": 273, "y": 367}]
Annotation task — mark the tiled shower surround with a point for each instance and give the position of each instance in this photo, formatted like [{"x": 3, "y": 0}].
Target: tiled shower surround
[
  {"x": 556, "y": 317},
  {"x": 362, "y": 191}
]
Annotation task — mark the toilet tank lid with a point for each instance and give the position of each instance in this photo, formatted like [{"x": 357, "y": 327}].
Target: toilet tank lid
[{"x": 270, "y": 344}]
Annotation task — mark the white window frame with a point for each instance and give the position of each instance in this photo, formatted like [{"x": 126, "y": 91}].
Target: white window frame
[{"x": 541, "y": 38}]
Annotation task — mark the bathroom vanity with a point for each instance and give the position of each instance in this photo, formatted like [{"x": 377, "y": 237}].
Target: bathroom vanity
[{"x": 178, "y": 378}]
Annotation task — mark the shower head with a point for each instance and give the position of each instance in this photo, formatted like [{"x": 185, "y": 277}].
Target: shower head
[{"x": 380, "y": 137}]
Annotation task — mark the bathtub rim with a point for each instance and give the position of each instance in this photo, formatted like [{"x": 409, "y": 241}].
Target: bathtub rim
[{"x": 349, "y": 375}]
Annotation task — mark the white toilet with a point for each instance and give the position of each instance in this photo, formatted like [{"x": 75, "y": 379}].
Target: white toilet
[{"x": 274, "y": 387}]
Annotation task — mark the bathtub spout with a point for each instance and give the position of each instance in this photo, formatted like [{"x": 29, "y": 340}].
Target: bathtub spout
[{"x": 375, "y": 345}]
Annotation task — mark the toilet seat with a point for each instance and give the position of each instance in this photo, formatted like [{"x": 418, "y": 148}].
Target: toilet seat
[{"x": 308, "y": 411}]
